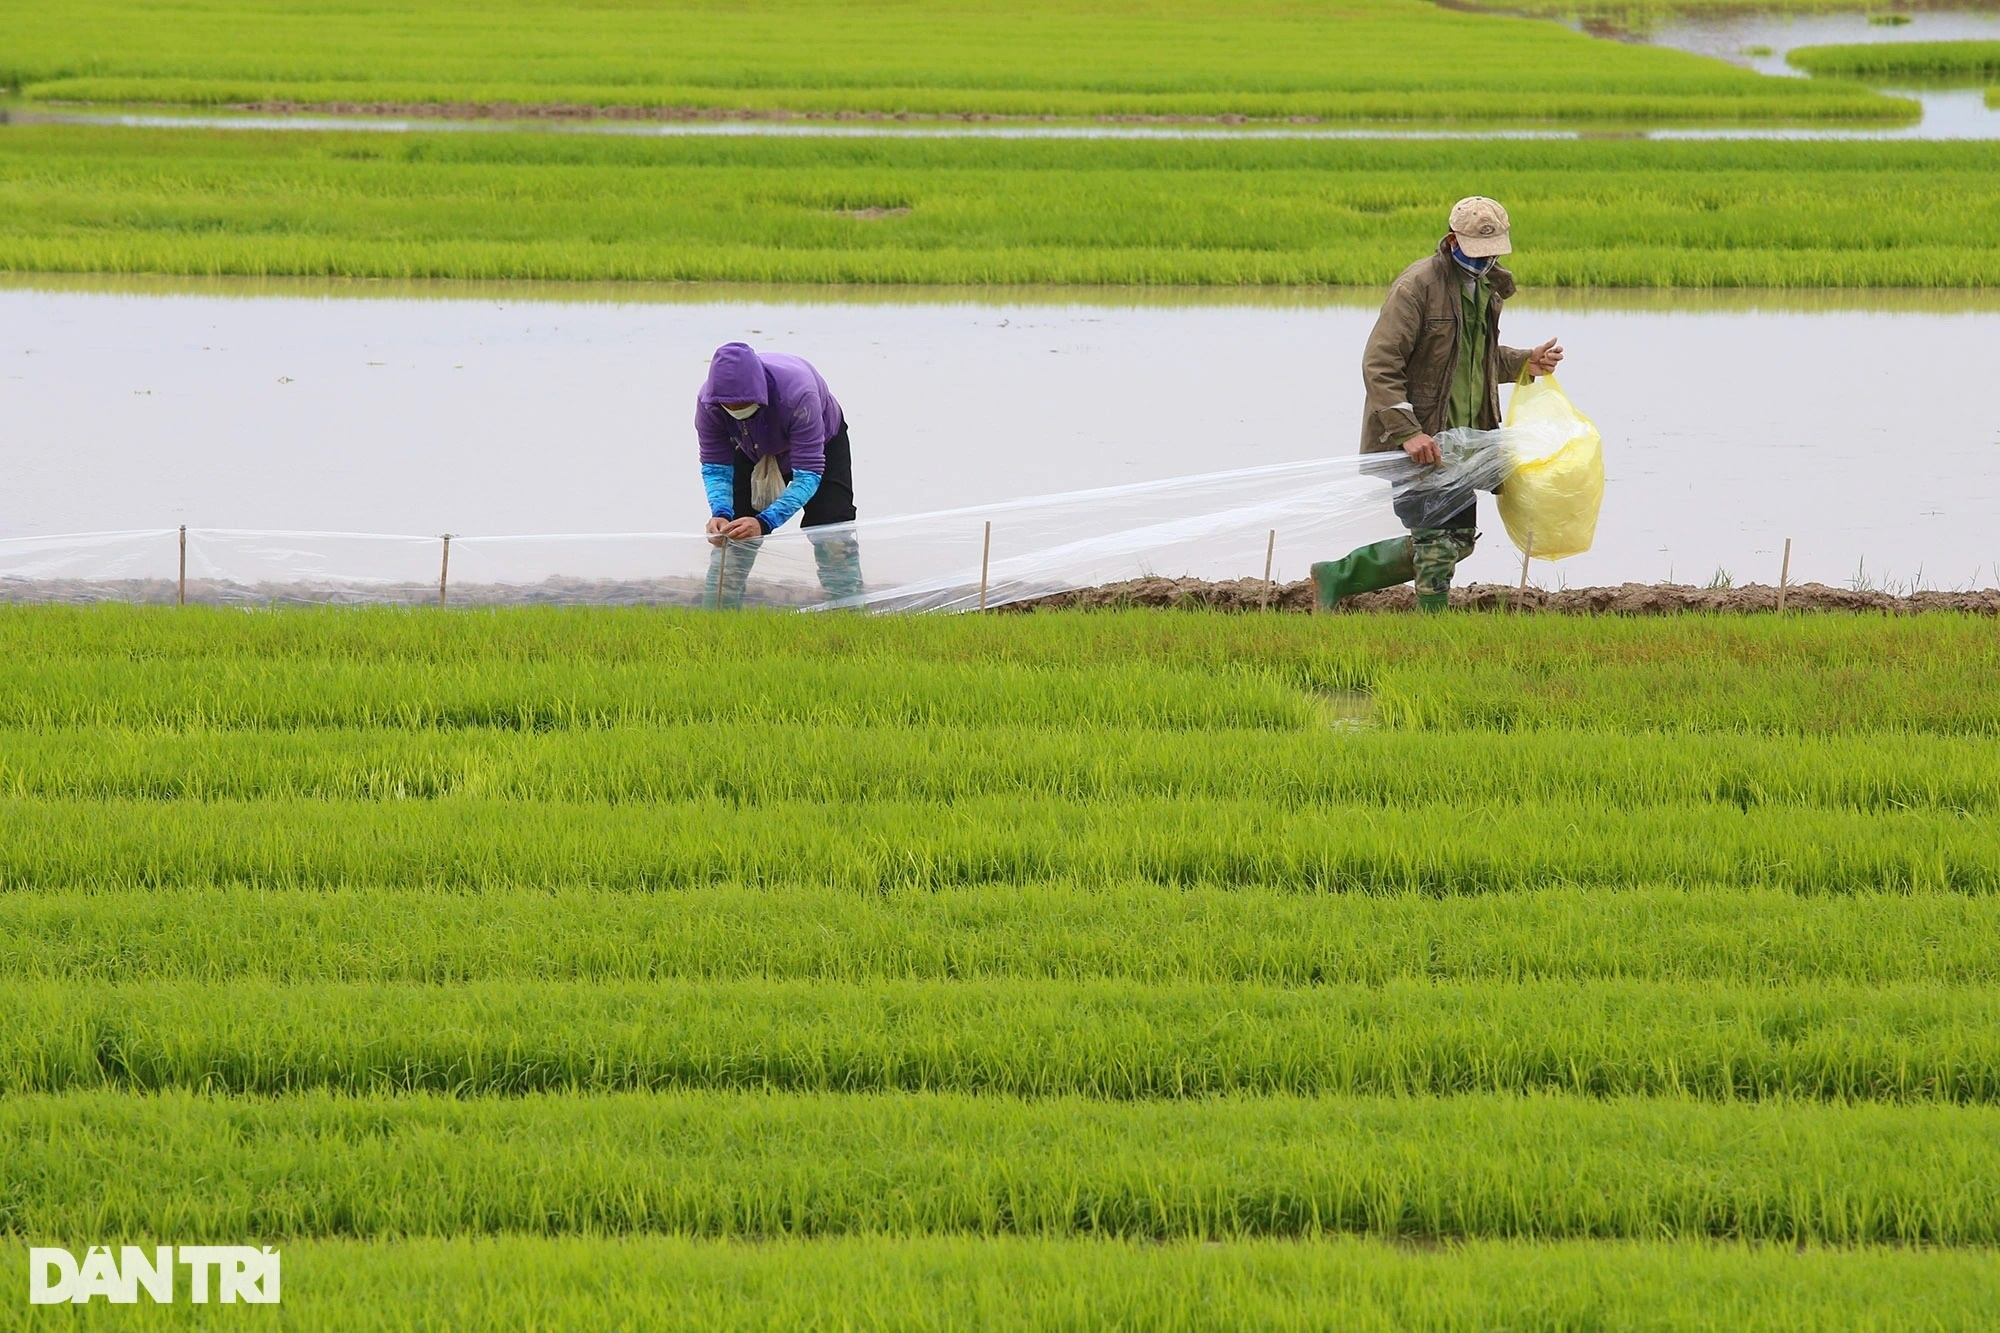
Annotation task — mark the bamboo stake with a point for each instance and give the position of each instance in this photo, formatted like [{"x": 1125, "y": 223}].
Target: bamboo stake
[
  {"x": 1270, "y": 549},
  {"x": 182, "y": 597},
  {"x": 444, "y": 568},
  {"x": 1785, "y": 574},
  {"x": 722, "y": 572},
  {"x": 1521, "y": 593},
  {"x": 985, "y": 562}
]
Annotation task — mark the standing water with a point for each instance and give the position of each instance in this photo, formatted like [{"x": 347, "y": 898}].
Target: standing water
[{"x": 1864, "y": 428}]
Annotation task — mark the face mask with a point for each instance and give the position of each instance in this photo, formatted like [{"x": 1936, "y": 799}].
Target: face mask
[
  {"x": 742, "y": 413},
  {"x": 1476, "y": 267}
]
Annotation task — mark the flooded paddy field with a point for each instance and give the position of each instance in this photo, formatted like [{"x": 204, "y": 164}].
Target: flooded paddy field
[
  {"x": 1757, "y": 40},
  {"x": 1861, "y": 426},
  {"x": 1765, "y": 42}
]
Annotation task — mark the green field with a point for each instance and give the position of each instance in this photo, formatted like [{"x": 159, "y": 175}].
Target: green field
[
  {"x": 1623, "y": 213},
  {"x": 1185, "y": 970},
  {"x": 1337, "y": 60},
  {"x": 1922, "y": 60},
  {"x": 1083, "y": 1284}
]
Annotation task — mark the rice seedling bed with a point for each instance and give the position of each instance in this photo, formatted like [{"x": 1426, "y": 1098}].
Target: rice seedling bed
[
  {"x": 1613, "y": 212},
  {"x": 1360, "y": 59},
  {"x": 848, "y": 763},
  {"x": 1440, "y": 846},
  {"x": 1115, "y": 1040},
  {"x": 955, "y": 1282},
  {"x": 759, "y": 1164},
  {"x": 1067, "y": 930},
  {"x": 1924, "y": 60},
  {"x": 1365, "y": 969}
]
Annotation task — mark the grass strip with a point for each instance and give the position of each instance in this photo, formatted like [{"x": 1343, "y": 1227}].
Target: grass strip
[
  {"x": 1879, "y": 59},
  {"x": 848, "y": 765},
  {"x": 1612, "y": 212},
  {"x": 952, "y": 57},
  {"x": 112, "y": 1165},
  {"x": 1033, "y": 931},
  {"x": 1447, "y": 847},
  {"x": 1114, "y": 1040},
  {"x": 536, "y": 670},
  {"x": 955, "y": 1282}
]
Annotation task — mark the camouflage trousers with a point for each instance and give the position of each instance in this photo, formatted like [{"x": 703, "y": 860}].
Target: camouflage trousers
[{"x": 1436, "y": 552}]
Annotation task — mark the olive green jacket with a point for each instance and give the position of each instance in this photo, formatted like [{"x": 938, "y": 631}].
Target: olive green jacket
[{"x": 1413, "y": 350}]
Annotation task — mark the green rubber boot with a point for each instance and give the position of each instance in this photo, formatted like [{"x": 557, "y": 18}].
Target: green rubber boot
[
  {"x": 1365, "y": 569},
  {"x": 1433, "y": 601}
]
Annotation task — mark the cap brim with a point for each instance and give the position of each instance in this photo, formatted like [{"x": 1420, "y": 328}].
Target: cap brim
[{"x": 1485, "y": 247}]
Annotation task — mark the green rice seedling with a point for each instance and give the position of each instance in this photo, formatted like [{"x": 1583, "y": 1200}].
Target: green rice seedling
[
  {"x": 111, "y": 1166},
  {"x": 1108, "y": 1040},
  {"x": 1039, "y": 58},
  {"x": 1443, "y": 847},
  {"x": 1976, "y": 61},
  {"x": 1612, "y": 212},
  {"x": 1065, "y": 930},
  {"x": 530, "y": 671},
  {"x": 1077, "y": 758},
  {"x": 956, "y": 1282}
]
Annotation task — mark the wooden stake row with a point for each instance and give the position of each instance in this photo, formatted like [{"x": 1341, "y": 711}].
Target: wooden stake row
[{"x": 986, "y": 563}]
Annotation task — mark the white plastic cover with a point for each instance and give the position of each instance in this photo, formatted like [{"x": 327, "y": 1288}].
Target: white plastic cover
[{"x": 1214, "y": 526}]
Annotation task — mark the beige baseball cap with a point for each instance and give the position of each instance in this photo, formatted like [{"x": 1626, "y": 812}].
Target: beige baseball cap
[{"x": 1481, "y": 227}]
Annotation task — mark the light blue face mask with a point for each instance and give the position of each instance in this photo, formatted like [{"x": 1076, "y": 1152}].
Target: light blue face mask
[{"x": 1476, "y": 267}]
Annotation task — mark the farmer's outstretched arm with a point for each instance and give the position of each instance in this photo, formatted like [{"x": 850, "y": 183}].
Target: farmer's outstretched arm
[
  {"x": 1539, "y": 360},
  {"x": 719, "y": 481},
  {"x": 804, "y": 486}
]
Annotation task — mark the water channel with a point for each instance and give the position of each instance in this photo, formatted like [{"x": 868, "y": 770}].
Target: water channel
[{"x": 1862, "y": 426}]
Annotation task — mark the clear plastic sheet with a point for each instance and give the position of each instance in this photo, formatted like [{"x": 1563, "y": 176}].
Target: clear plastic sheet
[{"x": 1222, "y": 525}]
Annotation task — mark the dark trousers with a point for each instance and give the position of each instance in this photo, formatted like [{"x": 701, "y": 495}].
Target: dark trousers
[
  {"x": 1423, "y": 512},
  {"x": 837, "y": 555},
  {"x": 833, "y": 502}
]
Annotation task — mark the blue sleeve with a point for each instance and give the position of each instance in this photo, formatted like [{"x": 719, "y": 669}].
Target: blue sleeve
[
  {"x": 719, "y": 480},
  {"x": 804, "y": 486}
]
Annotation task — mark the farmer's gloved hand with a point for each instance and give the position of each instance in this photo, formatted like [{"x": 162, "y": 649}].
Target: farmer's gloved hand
[{"x": 1422, "y": 449}]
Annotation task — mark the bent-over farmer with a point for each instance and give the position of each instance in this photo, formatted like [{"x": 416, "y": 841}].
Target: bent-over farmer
[
  {"x": 1435, "y": 361},
  {"x": 773, "y": 444}
]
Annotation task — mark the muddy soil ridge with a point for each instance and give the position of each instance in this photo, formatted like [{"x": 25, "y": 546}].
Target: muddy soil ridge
[{"x": 1627, "y": 599}]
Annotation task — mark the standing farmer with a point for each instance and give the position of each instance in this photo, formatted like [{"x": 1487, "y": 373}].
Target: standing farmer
[
  {"x": 1434, "y": 361},
  {"x": 773, "y": 443}
]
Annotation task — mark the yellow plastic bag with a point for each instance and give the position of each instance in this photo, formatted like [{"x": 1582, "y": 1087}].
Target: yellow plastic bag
[{"x": 1557, "y": 484}]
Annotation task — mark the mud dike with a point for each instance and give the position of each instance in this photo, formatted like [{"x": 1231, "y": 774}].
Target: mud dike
[{"x": 1626, "y": 599}]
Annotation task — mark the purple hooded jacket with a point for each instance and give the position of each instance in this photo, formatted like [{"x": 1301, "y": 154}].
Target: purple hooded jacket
[{"x": 798, "y": 416}]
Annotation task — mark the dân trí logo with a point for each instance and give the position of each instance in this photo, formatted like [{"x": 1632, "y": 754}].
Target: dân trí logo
[{"x": 225, "y": 1273}]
